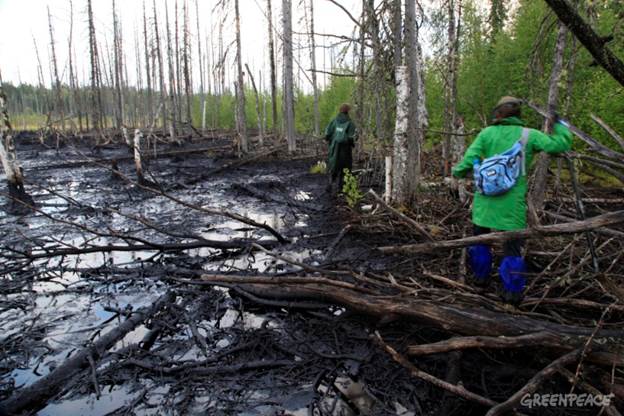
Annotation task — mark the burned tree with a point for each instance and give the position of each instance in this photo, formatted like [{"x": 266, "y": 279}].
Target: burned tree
[
  {"x": 96, "y": 97},
  {"x": 20, "y": 199},
  {"x": 58, "y": 93}
]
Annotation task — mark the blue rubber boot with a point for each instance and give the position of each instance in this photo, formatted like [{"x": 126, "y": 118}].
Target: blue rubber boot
[
  {"x": 512, "y": 271},
  {"x": 480, "y": 262}
]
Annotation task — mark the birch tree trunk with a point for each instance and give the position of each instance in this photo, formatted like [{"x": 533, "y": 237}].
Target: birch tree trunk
[
  {"x": 118, "y": 68},
  {"x": 186, "y": 64},
  {"x": 289, "y": 114},
  {"x": 201, "y": 70},
  {"x": 538, "y": 192},
  {"x": 399, "y": 186},
  {"x": 417, "y": 118},
  {"x": 451, "y": 90},
  {"x": 273, "y": 71},
  {"x": 240, "y": 102},
  {"x": 10, "y": 164}
]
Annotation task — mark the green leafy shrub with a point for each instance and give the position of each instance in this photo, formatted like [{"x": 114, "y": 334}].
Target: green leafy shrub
[
  {"x": 320, "y": 168},
  {"x": 351, "y": 189}
]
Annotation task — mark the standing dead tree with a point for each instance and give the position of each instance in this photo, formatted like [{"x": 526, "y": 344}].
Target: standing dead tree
[
  {"x": 73, "y": 76},
  {"x": 289, "y": 110},
  {"x": 58, "y": 93},
  {"x": 161, "y": 69},
  {"x": 541, "y": 171},
  {"x": 186, "y": 63},
  {"x": 10, "y": 164},
  {"x": 118, "y": 69},
  {"x": 241, "y": 118},
  {"x": 96, "y": 81},
  {"x": 272, "y": 65},
  {"x": 315, "y": 90},
  {"x": 173, "y": 97}
]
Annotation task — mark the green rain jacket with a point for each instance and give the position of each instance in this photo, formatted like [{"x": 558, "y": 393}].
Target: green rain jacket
[
  {"x": 339, "y": 154},
  {"x": 507, "y": 212}
]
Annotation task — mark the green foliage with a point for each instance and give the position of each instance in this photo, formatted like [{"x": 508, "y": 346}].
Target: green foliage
[
  {"x": 319, "y": 168},
  {"x": 351, "y": 189}
]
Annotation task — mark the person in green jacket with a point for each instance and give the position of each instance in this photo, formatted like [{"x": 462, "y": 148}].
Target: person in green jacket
[
  {"x": 340, "y": 135},
  {"x": 506, "y": 212}
]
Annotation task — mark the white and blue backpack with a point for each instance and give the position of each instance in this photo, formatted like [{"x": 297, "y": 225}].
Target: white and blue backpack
[{"x": 498, "y": 174}]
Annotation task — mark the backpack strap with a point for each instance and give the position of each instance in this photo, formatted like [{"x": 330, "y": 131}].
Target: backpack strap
[{"x": 523, "y": 142}]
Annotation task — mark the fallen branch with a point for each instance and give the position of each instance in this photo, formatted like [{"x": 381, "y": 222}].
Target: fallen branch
[
  {"x": 463, "y": 343},
  {"x": 34, "y": 397},
  {"x": 419, "y": 228},
  {"x": 573, "y": 227},
  {"x": 534, "y": 383},
  {"x": 416, "y": 372}
]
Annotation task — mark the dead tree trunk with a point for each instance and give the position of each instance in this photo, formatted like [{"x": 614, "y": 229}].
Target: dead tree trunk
[
  {"x": 186, "y": 63},
  {"x": 96, "y": 81},
  {"x": 289, "y": 111},
  {"x": 161, "y": 70},
  {"x": 541, "y": 171},
  {"x": 118, "y": 69},
  {"x": 273, "y": 72},
  {"x": 10, "y": 164},
  {"x": 241, "y": 117},
  {"x": 595, "y": 44},
  {"x": 57, "y": 81},
  {"x": 317, "y": 121},
  {"x": 148, "y": 74},
  {"x": 172, "y": 80},
  {"x": 73, "y": 75},
  {"x": 138, "y": 161},
  {"x": 258, "y": 111},
  {"x": 200, "y": 58},
  {"x": 417, "y": 112}
]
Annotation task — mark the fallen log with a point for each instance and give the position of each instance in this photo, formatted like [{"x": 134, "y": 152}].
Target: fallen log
[
  {"x": 573, "y": 227},
  {"x": 417, "y": 227},
  {"x": 34, "y": 397},
  {"x": 454, "y": 318}
]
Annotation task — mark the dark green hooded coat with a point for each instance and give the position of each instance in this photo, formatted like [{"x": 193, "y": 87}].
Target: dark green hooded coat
[{"x": 340, "y": 133}]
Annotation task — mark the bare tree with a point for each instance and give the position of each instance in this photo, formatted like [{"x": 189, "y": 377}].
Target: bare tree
[
  {"x": 96, "y": 97},
  {"x": 148, "y": 74},
  {"x": 541, "y": 171},
  {"x": 240, "y": 92},
  {"x": 450, "y": 150},
  {"x": 202, "y": 68},
  {"x": 417, "y": 118},
  {"x": 161, "y": 70},
  {"x": 73, "y": 76},
  {"x": 118, "y": 69},
  {"x": 56, "y": 80},
  {"x": 313, "y": 63},
  {"x": 273, "y": 70},
  {"x": 289, "y": 113},
  {"x": 186, "y": 62},
  {"x": 172, "y": 78}
]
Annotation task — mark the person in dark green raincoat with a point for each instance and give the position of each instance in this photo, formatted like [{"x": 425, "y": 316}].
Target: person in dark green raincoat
[
  {"x": 340, "y": 135},
  {"x": 506, "y": 212}
]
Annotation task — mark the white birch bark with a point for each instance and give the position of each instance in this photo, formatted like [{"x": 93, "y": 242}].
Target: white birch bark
[
  {"x": 240, "y": 102},
  {"x": 400, "y": 146},
  {"x": 138, "y": 162}
]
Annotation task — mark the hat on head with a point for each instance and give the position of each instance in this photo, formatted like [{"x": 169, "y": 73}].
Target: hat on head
[{"x": 508, "y": 100}]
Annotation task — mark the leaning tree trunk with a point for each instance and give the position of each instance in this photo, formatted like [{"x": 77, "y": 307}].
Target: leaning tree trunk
[
  {"x": 399, "y": 191},
  {"x": 20, "y": 199},
  {"x": 57, "y": 80},
  {"x": 240, "y": 102},
  {"x": 289, "y": 111},
  {"x": 258, "y": 111},
  {"x": 417, "y": 112},
  {"x": 541, "y": 171}
]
